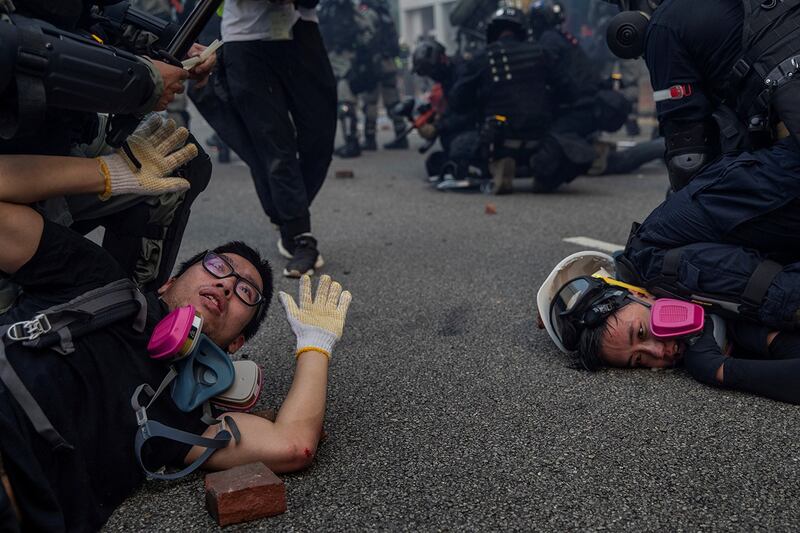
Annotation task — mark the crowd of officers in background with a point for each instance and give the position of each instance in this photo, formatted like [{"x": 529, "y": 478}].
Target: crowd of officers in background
[
  {"x": 540, "y": 114},
  {"x": 364, "y": 51},
  {"x": 522, "y": 96}
]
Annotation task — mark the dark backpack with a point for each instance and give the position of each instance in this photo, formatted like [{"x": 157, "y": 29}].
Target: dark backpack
[{"x": 56, "y": 327}]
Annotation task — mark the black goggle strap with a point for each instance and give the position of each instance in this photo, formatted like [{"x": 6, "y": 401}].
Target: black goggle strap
[
  {"x": 606, "y": 307},
  {"x": 596, "y": 304},
  {"x": 151, "y": 429}
]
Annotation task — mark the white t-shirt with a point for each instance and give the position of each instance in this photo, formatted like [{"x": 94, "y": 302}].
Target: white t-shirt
[{"x": 261, "y": 20}]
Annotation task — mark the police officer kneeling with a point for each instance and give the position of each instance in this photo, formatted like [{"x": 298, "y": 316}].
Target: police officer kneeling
[
  {"x": 722, "y": 72},
  {"x": 516, "y": 86}
]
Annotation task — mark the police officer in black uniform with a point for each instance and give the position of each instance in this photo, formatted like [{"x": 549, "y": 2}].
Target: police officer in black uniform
[
  {"x": 722, "y": 71},
  {"x": 565, "y": 152},
  {"x": 515, "y": 85},
  {"x": 66, "y": 78},
  {"x": 457, "y": 131},
  {"x": 546, "y": 19},
  {"x": 726, "y": 85},
  {"x": 347, "y": 36},
  {"x": 384, "y": 49},
  {"x": 570, "y": 148}
]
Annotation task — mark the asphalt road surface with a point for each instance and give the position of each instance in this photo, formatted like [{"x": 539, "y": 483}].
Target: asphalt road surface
[{"x": 449, "y": 410}]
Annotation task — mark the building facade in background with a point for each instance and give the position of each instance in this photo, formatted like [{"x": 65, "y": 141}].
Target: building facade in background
[{"x": 422, "y": 18}]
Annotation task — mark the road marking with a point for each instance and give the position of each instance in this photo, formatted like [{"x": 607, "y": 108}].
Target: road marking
[{"x": 594, "y": 243}]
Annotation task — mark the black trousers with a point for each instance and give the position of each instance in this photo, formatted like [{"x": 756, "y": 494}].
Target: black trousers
[{"x": 284, "y": 97}]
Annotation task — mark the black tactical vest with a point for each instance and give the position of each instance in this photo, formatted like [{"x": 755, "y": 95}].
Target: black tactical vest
[
  {"x": 516, "y": 85},
  {"x": 771, "y": 57}
]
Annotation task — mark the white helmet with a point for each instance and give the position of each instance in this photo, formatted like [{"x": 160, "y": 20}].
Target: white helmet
[
  {"x": 587, "y": 263},
  {"x": 592, "y": 264}
]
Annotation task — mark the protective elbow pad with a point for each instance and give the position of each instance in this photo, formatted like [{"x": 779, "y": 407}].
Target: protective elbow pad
[
  {"x": 688, "y": 151},
  {"x": 53, "y": 68},
  {"x": 683, "y": 167},
  {"x": 85, "y": 76}
]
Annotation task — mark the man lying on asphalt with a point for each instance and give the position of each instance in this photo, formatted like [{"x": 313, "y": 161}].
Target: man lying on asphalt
[
  {"x": 67, "y": 425},
  {"x": 728, "y": 239}
]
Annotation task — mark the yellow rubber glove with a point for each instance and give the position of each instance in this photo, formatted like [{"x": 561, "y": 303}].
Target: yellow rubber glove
[
  {"x": 161, "y": 148},
  {"x": 317, "y": 323}
]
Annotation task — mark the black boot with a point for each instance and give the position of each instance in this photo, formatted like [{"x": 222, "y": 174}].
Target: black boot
[
  {"x": 347, "y": 116},
  {"x": 400, "y": 143},
  {"x": 369, "y": 143},
  {"x": 349, "y": 149}
]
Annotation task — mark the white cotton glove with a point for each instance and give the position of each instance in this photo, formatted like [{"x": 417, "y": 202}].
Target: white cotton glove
[
  {"x": 318, "y": 324},
  {"x": 159, "y": 147}
]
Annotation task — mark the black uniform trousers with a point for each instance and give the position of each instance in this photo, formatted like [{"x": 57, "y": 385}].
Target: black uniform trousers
[
  {"x": 284, "y": 95},
  {"x": 736, "y": 212}
]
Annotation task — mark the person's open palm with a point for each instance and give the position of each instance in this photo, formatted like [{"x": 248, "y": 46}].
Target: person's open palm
[{"x": 319, "y": 322}]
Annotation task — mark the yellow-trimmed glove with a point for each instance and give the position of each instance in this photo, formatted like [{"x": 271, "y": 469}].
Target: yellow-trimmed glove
[
  {"x": 159, "y": 147},
  {"x": 318, "y": 324}
]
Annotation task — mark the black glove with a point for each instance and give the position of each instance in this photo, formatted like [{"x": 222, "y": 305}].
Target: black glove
[{"x": 703, "y": 357}]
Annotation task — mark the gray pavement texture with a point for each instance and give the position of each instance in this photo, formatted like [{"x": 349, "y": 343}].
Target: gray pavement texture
[{"x": 449, "y": 410}]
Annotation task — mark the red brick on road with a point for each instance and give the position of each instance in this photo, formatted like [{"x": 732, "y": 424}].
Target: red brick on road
[{"x": 244, "y": 493}]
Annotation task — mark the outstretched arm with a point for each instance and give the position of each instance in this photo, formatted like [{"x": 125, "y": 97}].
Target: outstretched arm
[
  {"x": 29, "y": 178},
  {"x": 290, "y": 443},
  {"x": 775, "y": 379},
  {"x": 778, "y": 378},
  {"x": 26, "y": 179}
]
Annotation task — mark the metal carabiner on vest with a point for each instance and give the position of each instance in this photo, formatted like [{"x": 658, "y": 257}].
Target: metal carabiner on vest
[{"x": 28, "y": 330}]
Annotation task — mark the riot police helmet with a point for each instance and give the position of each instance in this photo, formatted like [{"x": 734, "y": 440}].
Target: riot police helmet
[
  {"x": 506, "y": 19},
  {"x": 546, "y": 14},
  {"x": 429, "y": 58}
]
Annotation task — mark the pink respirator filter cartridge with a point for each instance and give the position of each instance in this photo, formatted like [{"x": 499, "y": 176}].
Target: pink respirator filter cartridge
[
  {"x": 671, "y": 318},
  {"x": 176, "y": 335}
]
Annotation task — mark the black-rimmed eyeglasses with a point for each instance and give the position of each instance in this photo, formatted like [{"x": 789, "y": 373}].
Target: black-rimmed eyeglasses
[{"x": 220, "y": 268}]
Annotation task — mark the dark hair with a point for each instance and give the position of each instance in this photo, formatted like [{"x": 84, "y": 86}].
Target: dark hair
[
  {"x": 590, "y": 345},
  {"x": 263, "y": 267}
]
